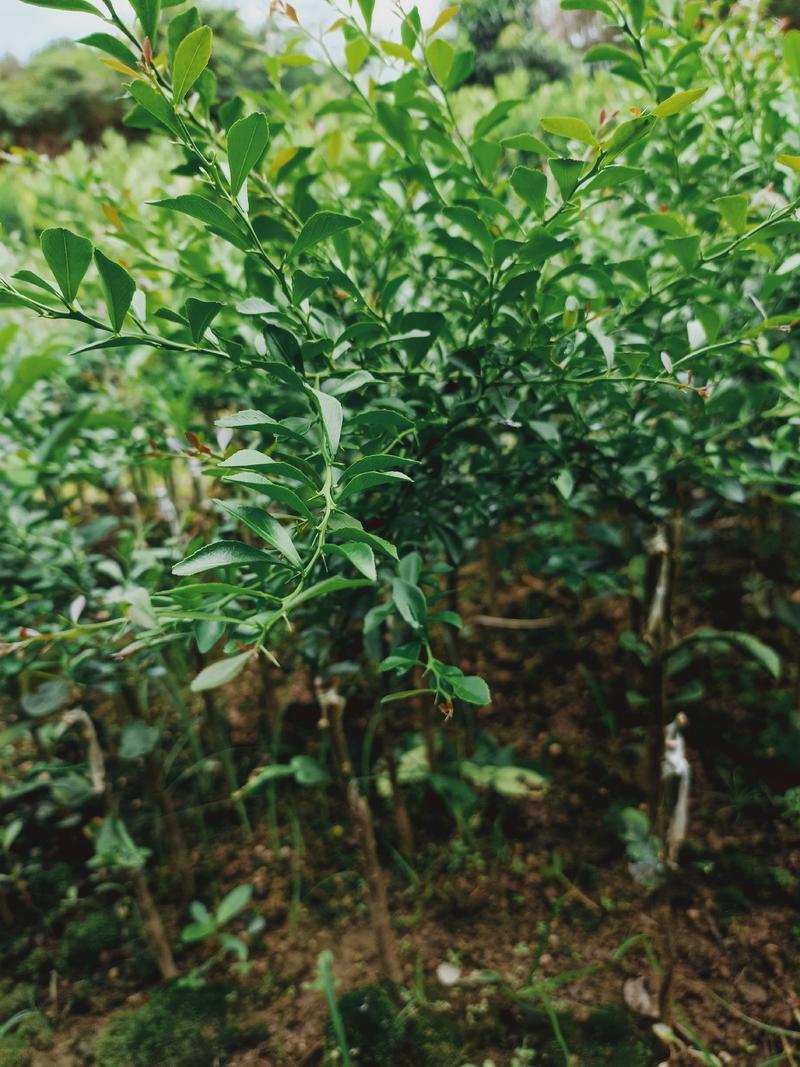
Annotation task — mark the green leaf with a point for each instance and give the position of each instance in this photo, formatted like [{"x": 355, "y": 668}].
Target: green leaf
[
  {"x": 138, "y": 739},
  {"x": 308, "y": 772},
  {"x": 68, "y": 257},
  {"x": 588, "y": 5},
  {"x": 565, "y": 483},
  {"x": 567, "y": 126},
  {"x": 367, "y": 7},
  {"x": 367, "y": 538},
  {"x": 263, "y": 777},
  {"x": 155, "y": 104},
  {"x": 221, "y": 554},
  {"x": 118, "y": 287},
  {"x": 566, "y": 173},
  {"x": 179, "y": 27},
  {"x": 281, "y": 493},
  {"x": 410, "y": 602},
  {"x": 206, "y": 211},
  {"x": 66, "y": 5},
  {"x": 360, "y": 555},
  {"x": 734, "y": 210},
  {"x": 761, "y": 653},
  {"x": 114, "y": 847},
  {"x": 219, "y": 673},
  {"x": 327, "y": 585},
  {"x": 792, "y": 162},
  {"x": 247, "y": 141},
  {"x": 370, "y": 479},
  {"x": 526, "y": 142},
  {"x": 318, "y": 228},
  {"x": 332, "y": 416},
  {"x": 47, "y": 698},
  {"x": 608, "y": 53},
  {"x": 191, "y": 59},
  {"x": 112, "y": 46},
  {"x": 232, "y": 903},
  {"x": 201, "y": 313},
  {"x": 198, "y": 930},
  {"x": 355, "y": 54},
  {"x": 471, "y": 688},
  {"x": 265, "y": 527},
  {"x": 463, "y": 66},
  {"x": 791, "y": 53},
  {"x": 440, "y": 55},
  {"x": 148, "y": 12},
  {"x": 531, "y": 186},
  {"x": 611, "y": 177},
  {"x": 678, "y": 102},
  {"x": 685, "y": 249}
]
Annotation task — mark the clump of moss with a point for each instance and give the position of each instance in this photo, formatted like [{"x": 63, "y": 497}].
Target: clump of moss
[
  {"x": 85, "y": 940},
  {"x": 178, "y": 1027},
  {"x": 15, "y": 1051},
  {"x": 432, "y": 1040},
  {"x": 607, "y": 1039},
  {"x": 32, "y": 1032},
  {"x": 14, "y": 997},
  {"x": 374, "y": 1030},
  {"x": 48, "y": 885}
]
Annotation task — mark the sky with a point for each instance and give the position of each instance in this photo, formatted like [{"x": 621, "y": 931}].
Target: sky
[{"x": 24, "y": 29}]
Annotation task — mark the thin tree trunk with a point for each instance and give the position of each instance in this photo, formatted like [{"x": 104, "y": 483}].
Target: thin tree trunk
[
  {"x": 178, "y": 852},
  {"x": 376, "y": 884},
  {"x": 154, "y": 928},
  {"x": 402, "y": 821},
  {"x": 662, "y": 568},
  {"x": 332, "y": 705}
]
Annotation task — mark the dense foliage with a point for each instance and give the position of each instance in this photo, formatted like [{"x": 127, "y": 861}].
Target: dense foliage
[{"x": 277, "y": 378}]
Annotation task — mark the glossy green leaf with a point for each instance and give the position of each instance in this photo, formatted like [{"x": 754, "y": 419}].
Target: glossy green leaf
[
  {"x": 734, "y": 210},
  {"x": 155, "y": 104},
  {"x": 472, "y": 689},
  {"x": 118, "y": 287},
  {"x": 221, "y": 554},
  {"x": 201, "y": 313},
  {"x": 678, "y": 102},
  {"x": 566, "y": 172},
  {"x": 526, "y": 142},
  {"x": 319, "y": 227},
  {"x": 247, "y": 141},
  {"x": 220, "y": 673},
  {"x": 68, "y": 257},
  {"x": 360, "y": 555},
  {"x": 332, "y": 416},
  {"x": 410, "y": 602},
  {"x": 191, "y": 59},
  {"x": 440, "y": 55},
  {"x": 198, "y": 207},
  {"x": 148, "y": 13},
  {"x": 531, "y": 186},
  {"x": 65, "y": 5},
  {"x": 572, "y": 128},
  {"x": 112, "y": 46},
  {"x": 265, "y": 527}
]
